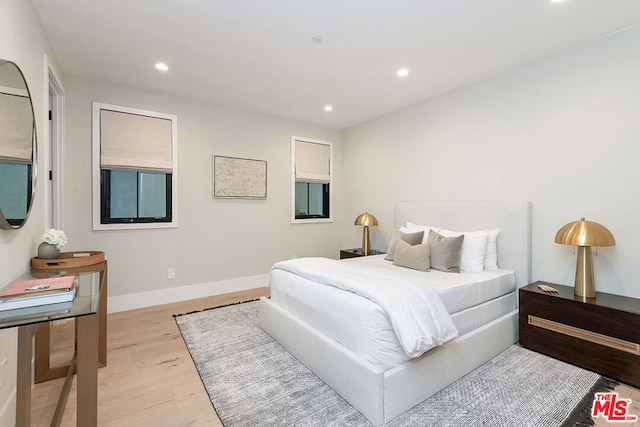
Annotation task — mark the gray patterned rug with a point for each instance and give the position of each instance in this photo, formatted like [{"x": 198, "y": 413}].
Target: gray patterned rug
[{"x": 253, "y": 381}]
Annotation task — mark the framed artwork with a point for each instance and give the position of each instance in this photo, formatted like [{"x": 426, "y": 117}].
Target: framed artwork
[{"x": 239, "y": 178}]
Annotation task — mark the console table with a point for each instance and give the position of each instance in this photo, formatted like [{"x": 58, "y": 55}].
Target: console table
[{"x": 89, "y": 311}]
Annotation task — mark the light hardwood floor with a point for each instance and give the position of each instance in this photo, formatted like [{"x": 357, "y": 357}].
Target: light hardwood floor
[{"x": 150, "y": 379}]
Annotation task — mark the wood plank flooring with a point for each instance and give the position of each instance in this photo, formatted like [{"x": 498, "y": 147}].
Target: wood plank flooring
[{"x": 150, "y": 379}]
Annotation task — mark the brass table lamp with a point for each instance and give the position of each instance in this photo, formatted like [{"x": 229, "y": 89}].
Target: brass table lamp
[
  {"x": 366, "y": 220},
  {"x": 585, "y": 234}
]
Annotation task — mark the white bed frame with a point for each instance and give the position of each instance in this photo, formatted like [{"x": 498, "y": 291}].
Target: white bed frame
[{"x": 383, "y": 395}]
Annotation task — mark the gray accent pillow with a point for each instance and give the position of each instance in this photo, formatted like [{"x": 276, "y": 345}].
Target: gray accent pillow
[
  {"x": 412, "y": 256},
  {"x": 410, "y": 238},
  {"x": 445, "y": 252}
]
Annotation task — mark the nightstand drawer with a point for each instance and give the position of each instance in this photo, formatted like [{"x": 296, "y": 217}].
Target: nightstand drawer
[{"x": 601, "y": 334}]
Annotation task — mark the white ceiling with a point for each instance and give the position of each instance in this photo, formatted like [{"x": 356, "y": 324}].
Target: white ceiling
[{"x": 258, "y": 54}]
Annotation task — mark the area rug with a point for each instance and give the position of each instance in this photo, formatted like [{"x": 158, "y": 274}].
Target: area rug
[{"x": 253, "y": 381}]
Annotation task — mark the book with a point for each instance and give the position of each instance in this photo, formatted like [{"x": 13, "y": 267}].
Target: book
[
  {"x": 34, "y": 287},
  {"x": 37, "y": 300},
  {"x": 37, "y": 292},
  {"x": 38, "y": 311}
]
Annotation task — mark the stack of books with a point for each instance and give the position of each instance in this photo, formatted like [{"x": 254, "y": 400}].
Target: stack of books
[{"x": 38, "y": 292}]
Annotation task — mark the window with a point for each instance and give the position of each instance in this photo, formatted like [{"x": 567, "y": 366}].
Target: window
[
  {"x": 312, "y": 170},
  {"x": 312, "y": 200},
  {"x": 134, "y": 160},
  {"x": 135, "y": 197}
]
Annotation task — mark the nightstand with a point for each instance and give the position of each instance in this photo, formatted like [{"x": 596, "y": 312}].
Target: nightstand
[
  {"x": 601, "y": 334},
  {"x": 356, "y": 252},
  {"x": 351, "y": 253}
]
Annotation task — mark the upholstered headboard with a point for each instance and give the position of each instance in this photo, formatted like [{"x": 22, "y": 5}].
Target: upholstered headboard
[{"x": 513, "y": 218}]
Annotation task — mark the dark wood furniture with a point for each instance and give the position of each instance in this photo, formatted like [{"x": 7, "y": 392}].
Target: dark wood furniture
[
  {"x": 351, "y": 253},
  {"x": 601, "y": 334},
  {"x": 357, "y": 252}
]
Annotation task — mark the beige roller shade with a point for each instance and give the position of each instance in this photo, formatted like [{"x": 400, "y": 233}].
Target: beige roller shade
[
  {"x": 132, "y": 141},
  {"x": 313, "y": 162},
  {"x": 16, "y": 128}
]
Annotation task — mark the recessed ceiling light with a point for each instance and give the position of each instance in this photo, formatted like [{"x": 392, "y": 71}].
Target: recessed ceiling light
[
  {"x": 556, "y": 1},
  {"x": 317, "y": 39},
  {"x": 328, "y": 108},
  {"x": 162, "y": 66},
  {"x": 402, "y": 72}
]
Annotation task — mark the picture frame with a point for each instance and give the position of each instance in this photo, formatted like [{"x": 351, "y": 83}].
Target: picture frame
[{"x": 239, "y": 178}]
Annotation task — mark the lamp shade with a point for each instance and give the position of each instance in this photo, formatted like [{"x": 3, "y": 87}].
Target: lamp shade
[
  {"x": 585, "y": 233},
  {"x": 366, "y": 219}
]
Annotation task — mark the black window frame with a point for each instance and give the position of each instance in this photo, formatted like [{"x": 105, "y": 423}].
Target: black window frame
[
  {"x": 105, "y": 201},
  {"x": 326, "y": 211}
]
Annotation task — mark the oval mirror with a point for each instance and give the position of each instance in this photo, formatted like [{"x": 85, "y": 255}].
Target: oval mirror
[{"x": 17, "y": 147}]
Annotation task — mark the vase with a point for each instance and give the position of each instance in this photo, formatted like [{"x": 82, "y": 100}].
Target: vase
[{"x": 48, "y": 251}]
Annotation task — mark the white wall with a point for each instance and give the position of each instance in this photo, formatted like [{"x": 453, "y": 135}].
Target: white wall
[
  {"x": 23, "y": 42},
  {"x": 216, "y": 239},
  {"x": 559, "y": 132},
  {"x": 562, "y": 133}
]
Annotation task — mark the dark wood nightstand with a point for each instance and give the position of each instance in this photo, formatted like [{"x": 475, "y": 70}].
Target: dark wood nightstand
[
  {"x": 356, "y": 252},
  {"x": 351, "y": 253},
  {"x": 601, "y": 334}
]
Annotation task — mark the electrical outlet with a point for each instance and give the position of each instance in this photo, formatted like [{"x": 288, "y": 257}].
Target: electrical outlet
[{"x": 171, "y": 273}]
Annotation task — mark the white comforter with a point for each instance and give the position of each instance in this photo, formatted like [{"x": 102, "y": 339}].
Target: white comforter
[{"x": 416, "y": 313}]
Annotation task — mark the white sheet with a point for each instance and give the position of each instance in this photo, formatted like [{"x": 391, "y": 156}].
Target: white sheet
[
  {"x": 457, "y": 290},
  {"x": 362, "y": 325},
  {"x": 416, "y": 313}
]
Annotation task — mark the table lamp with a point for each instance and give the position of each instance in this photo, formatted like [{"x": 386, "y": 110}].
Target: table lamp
[
  {"x": 584, "y": 234},
  {"x": 366, "y": 220}
]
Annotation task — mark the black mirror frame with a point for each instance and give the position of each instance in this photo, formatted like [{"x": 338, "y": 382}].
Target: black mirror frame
[{"x": 4, "y": 224}]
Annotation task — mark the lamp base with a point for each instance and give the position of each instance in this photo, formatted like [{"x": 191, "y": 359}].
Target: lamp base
[
  {"x": 365, "y": 241},
  {"x": 585, "y": 286}
]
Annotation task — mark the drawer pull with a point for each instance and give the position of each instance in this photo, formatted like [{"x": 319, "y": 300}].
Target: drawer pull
[{"x": 583, "y": 334}]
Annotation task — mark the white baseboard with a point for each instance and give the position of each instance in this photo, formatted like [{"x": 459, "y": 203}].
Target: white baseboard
[{"x": 183, "y": 293}]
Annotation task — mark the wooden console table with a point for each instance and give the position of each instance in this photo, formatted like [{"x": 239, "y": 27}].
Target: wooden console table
[
  {"x": 42, "y": 367},
  {"x": 89, "y": 311}
]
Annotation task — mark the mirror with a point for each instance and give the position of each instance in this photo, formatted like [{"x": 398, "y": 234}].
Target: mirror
[{"x": 18, "y": 146}]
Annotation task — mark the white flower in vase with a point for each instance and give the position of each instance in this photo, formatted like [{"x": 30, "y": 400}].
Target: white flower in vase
[{"x": 54, "y": 237}]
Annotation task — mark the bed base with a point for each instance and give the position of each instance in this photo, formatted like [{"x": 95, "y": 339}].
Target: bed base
[{"x": 383, "y": 395}]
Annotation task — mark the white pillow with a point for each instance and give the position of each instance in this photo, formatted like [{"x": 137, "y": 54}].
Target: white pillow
[
  {"x": 412, "y": 228},
  {"x": 491, "y": 257},
  {"x": 474, "y": 248}
]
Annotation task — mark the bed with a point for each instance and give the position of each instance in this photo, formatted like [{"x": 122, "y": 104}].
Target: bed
[{"x": 383, "y": 384}]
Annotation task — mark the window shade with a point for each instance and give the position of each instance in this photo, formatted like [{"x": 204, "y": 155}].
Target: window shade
[
  {"x": 135, "y": 142},
  {"x": 313, "y": 162},
  {"x": 16, "y": 128}
]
